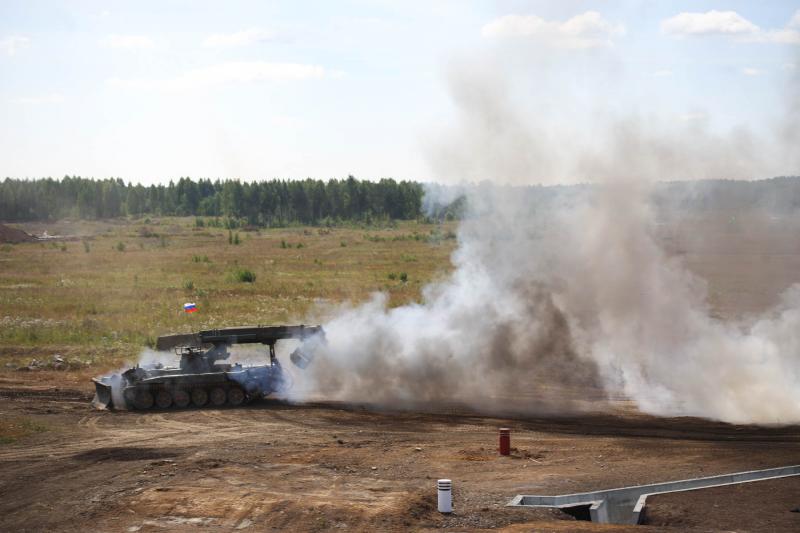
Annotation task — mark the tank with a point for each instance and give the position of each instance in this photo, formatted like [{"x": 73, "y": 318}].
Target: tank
[{"x": 203, "y": 378}]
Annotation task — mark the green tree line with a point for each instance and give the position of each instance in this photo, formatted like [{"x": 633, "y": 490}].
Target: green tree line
[{"x": 263, "y": 203}]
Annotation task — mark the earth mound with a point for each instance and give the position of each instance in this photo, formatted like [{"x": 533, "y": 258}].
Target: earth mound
[{"x": 14, "y": 235}]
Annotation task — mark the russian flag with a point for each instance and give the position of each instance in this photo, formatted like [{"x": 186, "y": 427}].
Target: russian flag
[{"x": 190, "y": 308}]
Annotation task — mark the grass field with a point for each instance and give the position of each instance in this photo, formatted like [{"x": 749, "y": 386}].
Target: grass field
[{"x": 101, "y": 298}]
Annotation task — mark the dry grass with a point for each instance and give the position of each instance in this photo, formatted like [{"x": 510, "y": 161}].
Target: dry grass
[
  {"x": 102, "y": 299},
  {"x": 15, "y": 428}
]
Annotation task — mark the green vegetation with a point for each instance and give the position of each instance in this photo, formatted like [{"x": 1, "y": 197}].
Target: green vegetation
[
  {"x": 103, "y": 307},
  {"x": 244, "y": 275},
  {"x": 265, "y": 203}
]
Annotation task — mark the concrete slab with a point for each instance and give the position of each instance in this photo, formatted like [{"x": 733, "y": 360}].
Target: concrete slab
[{"x": 627, "y": 505}]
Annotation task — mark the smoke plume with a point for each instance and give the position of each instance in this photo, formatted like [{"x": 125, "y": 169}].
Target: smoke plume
[{"x": 554, "y": 303}]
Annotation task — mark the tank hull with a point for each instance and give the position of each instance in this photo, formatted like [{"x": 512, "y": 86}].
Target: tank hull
[{"x": 143, "y": 389}]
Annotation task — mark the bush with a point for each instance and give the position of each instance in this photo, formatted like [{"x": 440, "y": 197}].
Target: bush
[
  {"x": 188, "y": 285},
  {"x": 392, "y": 276},
  {"x": 236, "y": 238},
  {"x": 86, "y": 246},
  {"x": 403, "y": 277},
  {"x": 120, "y": 247},
  {"x": 199, "y": 222},
  {"x": 283, "y": 244},
  {"x": 200, "y": 259},
  {"x": 343, "y": 244},
  {"x": 243, "y": 275}
]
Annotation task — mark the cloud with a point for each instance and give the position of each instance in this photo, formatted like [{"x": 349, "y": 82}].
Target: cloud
[
  {"x": 11, "y": 44},
  {"x": 786, "y": 36},
  {"x": 732, "y": 24},
  {"x": 750, "y": 71},
  {"x": 587, "y": 30},
  {"x": 662, "y": 73},
  {"x": 241, "y": 38},
  {"x": 128, "y": 41},
  {"x": 709, "y": 23},
  {"x": 52, "y": 98},
  {"x": 235, "y": 72},
  {"x": 795, "y": 21}
]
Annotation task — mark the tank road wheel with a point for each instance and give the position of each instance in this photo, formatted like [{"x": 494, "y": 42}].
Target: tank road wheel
[
  {"x": 199, "y": 397},
  {"x": 181, "y": 398},
  {"x": 235, "y": 396},
  {"x": 163, "y": 399},
  {"x": 130, "y": 396},
  {"x": 218, "y": 396},
  {"x": 143, "y": 400}
]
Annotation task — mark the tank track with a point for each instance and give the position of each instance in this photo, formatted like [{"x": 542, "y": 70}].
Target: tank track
[{"x": 180, "y": 397}]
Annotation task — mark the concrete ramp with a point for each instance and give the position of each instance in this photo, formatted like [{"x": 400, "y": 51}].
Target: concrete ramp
[{"x": 627, "y": 505}]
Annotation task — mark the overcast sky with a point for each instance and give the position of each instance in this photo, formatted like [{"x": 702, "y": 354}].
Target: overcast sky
[{"x": 154, "y": 90}]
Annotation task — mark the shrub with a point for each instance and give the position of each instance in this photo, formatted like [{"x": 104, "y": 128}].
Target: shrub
[
  {"x": 236, "y": 238},
  {"x": 283, "y": 244},
  {"x": 199, "y": 222},
  {"x": 162, "y": 242},
  {"x": 86, "y": 246},
  {"x": 403, "y": 277},
  {"x": 120, "y": 247},
  {"x": 243, "y": 275},
  {"x": 200, "y": 259},
  {"x": 392, "y": 276},
  {"x": 299, "y": 245},
  {"x": 63, "y": 247},
  {"x": 343, "y": 244},
  {"x": 188, "y": 285}
]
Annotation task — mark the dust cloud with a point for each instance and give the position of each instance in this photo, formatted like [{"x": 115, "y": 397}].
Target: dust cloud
[{"x": 555, "y": 304}]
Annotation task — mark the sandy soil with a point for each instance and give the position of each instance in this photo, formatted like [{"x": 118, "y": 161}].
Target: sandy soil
[
  {"x": 332, "y": 467},
  {"x": 319, "y": 467}
]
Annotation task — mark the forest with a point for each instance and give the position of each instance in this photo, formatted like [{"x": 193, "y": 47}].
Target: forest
[{"x": 270, "y": 203}]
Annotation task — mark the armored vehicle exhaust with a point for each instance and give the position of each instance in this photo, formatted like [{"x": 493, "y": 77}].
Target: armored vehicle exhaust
[{"x": 200, "y": 379}]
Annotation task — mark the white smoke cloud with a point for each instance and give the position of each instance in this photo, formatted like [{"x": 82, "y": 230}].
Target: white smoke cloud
[{"x": 562, "y": 294}]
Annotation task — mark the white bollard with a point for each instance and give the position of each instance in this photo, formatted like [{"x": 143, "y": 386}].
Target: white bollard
[{"x": 445, "y": 487}]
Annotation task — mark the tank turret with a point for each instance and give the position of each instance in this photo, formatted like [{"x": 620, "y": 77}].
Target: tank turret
[{"x": 201, "y": 378}]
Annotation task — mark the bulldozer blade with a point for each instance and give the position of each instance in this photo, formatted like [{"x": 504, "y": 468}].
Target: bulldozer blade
[
  {"x": 300, "y": 358},
  {"x": 102, "y": 395}
]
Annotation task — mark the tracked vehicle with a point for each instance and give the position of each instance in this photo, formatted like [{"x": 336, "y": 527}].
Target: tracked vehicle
[{"x": 201, "y": 379}]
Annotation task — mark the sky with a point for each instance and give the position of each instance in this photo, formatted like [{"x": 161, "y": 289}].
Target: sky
[{"x": 154, "y": 90}]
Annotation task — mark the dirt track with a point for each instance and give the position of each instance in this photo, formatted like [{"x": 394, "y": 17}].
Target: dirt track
[{"x": 272, "y": 465}]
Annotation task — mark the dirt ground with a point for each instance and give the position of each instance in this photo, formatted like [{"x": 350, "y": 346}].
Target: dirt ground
[
  {"x": 330, "y": 467},
  {"x": 275, "y": 466}
]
